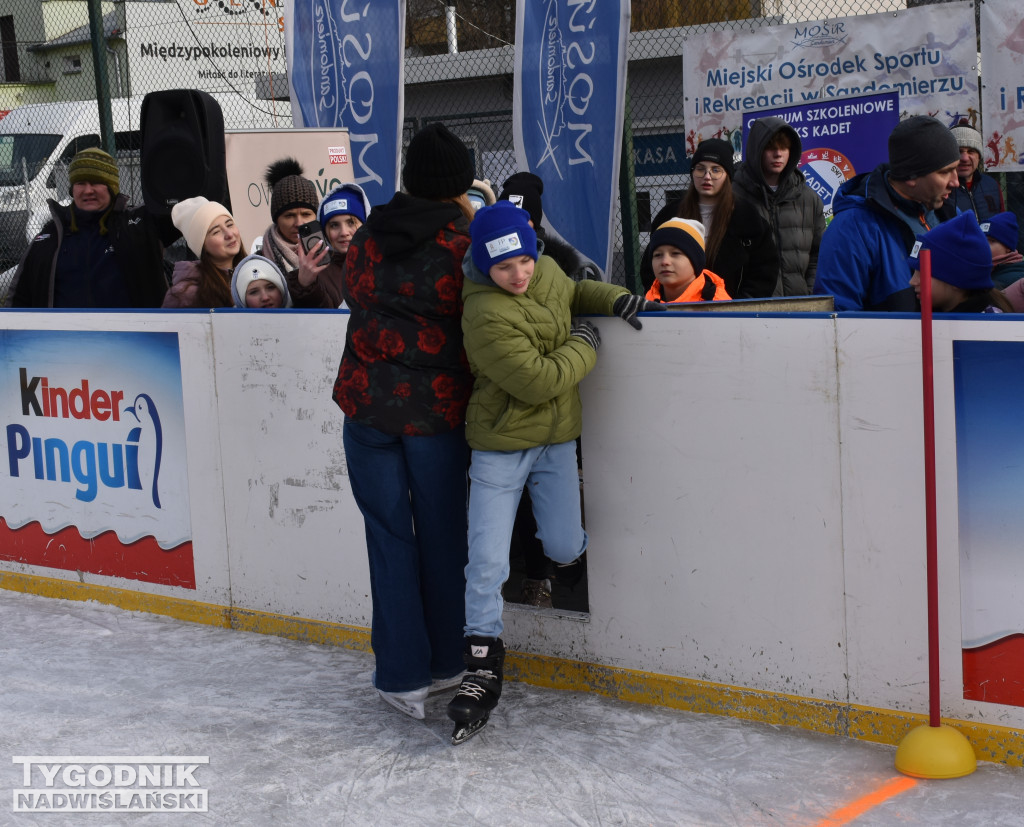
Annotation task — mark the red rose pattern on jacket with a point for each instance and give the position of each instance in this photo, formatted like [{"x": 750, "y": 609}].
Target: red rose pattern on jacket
[{"x": 404, "y": 370}]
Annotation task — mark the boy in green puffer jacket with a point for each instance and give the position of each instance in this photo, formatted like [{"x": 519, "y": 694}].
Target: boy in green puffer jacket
[{"x": 524, "y": 416}]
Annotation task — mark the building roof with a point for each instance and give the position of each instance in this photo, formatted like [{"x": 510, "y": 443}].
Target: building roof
[{"x": 111, "y": 30}]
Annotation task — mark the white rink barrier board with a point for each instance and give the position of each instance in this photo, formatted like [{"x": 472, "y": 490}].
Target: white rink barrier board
[{"x": 754, "y": 492}]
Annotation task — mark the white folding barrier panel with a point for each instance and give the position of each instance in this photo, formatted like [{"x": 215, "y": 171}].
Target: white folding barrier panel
[{"x": 753, "y": 488}]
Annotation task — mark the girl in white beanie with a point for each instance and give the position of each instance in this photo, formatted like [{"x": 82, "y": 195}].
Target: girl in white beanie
[
  {"x": 258, "y": 283},
  {"x": 211, "y": 234}
]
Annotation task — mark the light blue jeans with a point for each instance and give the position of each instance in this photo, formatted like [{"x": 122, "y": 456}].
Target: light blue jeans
[{"x": 496, "y": 484}]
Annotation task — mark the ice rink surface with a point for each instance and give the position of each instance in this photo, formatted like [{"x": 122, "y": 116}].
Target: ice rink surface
[{"x": 296, "y": 736}]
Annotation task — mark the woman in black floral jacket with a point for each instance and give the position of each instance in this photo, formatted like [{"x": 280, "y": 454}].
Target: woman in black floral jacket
[{"x": 404, "y": 384}]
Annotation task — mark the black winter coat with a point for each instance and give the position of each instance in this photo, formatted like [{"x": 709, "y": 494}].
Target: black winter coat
[
  {"x": 795, "y": 213},
  {"x": 137, "y": 238}
]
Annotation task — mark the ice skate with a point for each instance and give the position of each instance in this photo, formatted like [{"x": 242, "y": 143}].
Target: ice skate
[
  {"x": 411, "y": 702},
  {"x": 480, "y": 689}
]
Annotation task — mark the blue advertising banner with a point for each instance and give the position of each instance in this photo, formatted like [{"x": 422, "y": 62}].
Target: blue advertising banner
[
  {"x": 346, "y": 69},
  {"x": 570, "y": 75},
  {"x": 986, "y": 379},
  {"x": 660, "y": 154},
  {"x": 841, "y": 137}
]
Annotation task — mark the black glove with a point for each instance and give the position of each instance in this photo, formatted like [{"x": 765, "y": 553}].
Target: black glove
[
  {"x": 587, "y": 332},
  {"x": 627, "y": 306}
]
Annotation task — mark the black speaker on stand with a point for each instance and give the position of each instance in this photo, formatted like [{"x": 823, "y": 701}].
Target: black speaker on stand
[{"x": 182, "y": 149}]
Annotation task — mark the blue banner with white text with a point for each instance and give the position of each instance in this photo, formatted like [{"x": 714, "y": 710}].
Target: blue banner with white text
[
  {"x": 570, "y": 75},
  {"x": 841, "y": 137},
  {"x": 346, "y": 69}
]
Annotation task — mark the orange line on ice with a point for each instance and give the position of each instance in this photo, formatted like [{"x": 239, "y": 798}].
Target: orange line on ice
[{"x": 846, "y": 814}]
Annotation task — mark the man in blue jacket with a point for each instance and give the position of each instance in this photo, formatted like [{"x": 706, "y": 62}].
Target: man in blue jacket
[{"x": 877, "y": 216}]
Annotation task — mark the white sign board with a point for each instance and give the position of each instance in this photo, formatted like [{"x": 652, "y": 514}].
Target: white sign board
[
  {"x": 1002, "y": 46},
  {"x": 928, "y": 55},
  {"x": 230, "y": 48}
]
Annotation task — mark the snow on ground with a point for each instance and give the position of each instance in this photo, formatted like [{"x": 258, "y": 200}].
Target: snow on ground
[{"x": 296, "y": 736}]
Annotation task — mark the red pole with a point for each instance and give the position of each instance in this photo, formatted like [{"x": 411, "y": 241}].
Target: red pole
[{"x": 929, "y": 488}]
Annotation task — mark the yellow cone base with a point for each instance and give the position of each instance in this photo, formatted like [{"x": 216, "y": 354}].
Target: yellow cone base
[{"x": 935, "y": 752}]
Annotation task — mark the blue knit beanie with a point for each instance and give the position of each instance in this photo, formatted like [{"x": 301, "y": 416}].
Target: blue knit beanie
[
  {"x": 960, "y": 253},
  {"x": 501, "y": 231},
  {"x": 1003, "y": 228},
  {"x": 343, "y": 200}
]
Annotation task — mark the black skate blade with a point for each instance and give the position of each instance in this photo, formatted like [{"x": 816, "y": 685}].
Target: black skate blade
[{"x": 464, "y": 731}]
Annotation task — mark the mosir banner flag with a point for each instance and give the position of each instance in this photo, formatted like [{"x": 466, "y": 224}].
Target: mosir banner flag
[
  {"x": 570, "y": 78},
  {"x": 928, "y": 55},
  {"x": 94, "y": 476},
  {"x": 1002, "y": 97},
  {"x": 346, "y": 68}
]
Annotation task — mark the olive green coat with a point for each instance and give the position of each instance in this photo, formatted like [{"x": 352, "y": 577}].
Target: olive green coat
[{"x": 526, "y": 366}]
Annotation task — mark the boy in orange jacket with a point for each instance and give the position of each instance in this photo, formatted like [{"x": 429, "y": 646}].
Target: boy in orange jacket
[{"x": 678, "y": 263}]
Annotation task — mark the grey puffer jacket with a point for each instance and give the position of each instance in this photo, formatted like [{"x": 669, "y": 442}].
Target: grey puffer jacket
[{"x": 794, "y": 211}]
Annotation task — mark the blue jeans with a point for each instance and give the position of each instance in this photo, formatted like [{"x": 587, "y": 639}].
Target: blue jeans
[
  {"x": 411, "y": 491},
  {"x": 497, "y": 480}
]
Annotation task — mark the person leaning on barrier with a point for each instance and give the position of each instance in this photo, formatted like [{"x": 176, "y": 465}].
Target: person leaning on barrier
[
  {"x": 961, "y": 268},
  {"x": 322, "y": 270},
  {"x": 877, "y": 216},
  {"x": 528, "y": 355},
  {"x": 258, "y": 284},
  {"x": 1003, "y": 235},
  {"x": 98, "y": 251},
  {"x": 678, "y": 258},
  {"x": 977, "y": 192},
  {"x": 210, "y": 233},
  {"x": 524, "y": 189},
  {"x": 293, "y": 202},
  {"x": 403, "y": 384}
]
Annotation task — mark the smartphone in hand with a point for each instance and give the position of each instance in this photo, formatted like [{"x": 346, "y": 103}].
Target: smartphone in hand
[{"x": 309, "y": 234}]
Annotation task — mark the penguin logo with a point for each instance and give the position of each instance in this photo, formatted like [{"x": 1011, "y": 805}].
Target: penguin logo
[{"x": 149, "y": 437}]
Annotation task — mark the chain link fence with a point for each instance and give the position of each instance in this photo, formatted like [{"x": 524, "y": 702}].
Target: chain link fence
[{"x": 459, "y": 70}]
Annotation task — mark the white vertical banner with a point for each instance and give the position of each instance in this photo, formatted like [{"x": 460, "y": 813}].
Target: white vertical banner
[
  {"x": 1002, "y": 97},
  {"x": 569, "y": 100},
  {"x": 346, "y": 67}
]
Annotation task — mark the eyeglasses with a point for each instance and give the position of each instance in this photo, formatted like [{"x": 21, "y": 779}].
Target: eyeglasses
[{"x": 700, "y": 171}]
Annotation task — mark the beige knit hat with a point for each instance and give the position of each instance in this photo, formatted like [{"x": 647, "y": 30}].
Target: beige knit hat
[{"x": 193, "y": 218}]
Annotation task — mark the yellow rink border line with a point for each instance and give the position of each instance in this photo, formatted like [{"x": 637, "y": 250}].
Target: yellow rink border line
[{"x": 991, "y": 743}]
